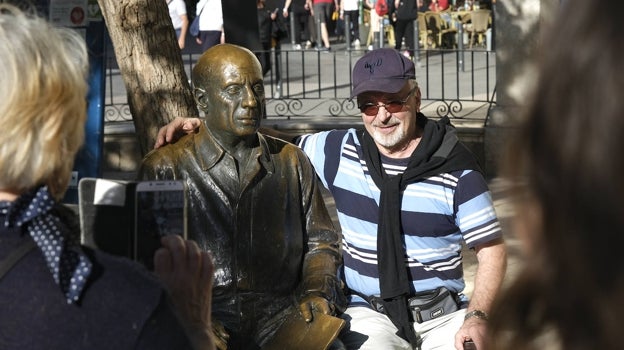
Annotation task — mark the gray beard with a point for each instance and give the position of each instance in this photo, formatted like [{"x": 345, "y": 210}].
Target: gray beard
[{"x": 392, "y": 140}]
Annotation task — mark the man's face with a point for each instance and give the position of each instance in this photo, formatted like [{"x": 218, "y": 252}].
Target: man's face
[
  {"x": 391, "y": 129},
  {"x": 236, "y": 98}
]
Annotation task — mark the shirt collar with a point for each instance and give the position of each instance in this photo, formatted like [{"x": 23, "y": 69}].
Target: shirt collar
[{"x": 209, "y": 152}]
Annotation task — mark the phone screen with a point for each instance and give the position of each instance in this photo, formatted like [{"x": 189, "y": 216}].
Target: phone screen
[{"x": 160, "y": 211}]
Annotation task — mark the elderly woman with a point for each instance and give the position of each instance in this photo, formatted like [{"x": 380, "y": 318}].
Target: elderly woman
[{"x": 55, "y": 294}]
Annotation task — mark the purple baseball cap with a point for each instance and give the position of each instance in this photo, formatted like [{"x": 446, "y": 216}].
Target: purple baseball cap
[{"x": 384, "y": 70}]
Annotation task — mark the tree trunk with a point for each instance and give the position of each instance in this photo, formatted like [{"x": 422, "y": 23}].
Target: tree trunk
[{"x": 150, "y": 63}]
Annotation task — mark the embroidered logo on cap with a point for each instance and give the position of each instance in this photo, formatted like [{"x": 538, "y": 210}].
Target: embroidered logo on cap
[{"x": 371, "y": 65}]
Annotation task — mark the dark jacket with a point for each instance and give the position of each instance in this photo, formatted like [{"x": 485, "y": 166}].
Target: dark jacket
[
  {"x": 269, "y": 232},
  {"x": 407, "y": 10},
  {"x": 265, "y": 25},
  {"x": 123, "y": 306}
]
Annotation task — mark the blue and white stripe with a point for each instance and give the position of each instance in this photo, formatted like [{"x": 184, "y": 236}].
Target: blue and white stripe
[{"x": 437, "y": 215}]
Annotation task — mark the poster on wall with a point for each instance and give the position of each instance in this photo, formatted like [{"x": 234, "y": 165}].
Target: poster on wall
[
  {"x": 69, "y": 13},
  {"x": 94, "y": 13}
]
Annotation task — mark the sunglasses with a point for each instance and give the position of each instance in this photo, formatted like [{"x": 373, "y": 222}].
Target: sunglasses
[{"x": 372, "y": 109}]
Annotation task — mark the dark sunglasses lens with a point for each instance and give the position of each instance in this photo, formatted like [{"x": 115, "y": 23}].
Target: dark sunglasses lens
[
  {"x": 394, "y": 106},
  {"x": 370, "y": 109}
]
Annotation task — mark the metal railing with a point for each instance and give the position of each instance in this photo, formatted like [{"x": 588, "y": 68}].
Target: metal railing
[{"x": 457, "y": 83}]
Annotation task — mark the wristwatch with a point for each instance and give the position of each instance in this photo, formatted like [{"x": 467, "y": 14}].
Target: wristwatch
[{"x": 477, "y": 314}]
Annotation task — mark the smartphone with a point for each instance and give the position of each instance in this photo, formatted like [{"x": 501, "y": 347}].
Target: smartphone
[
  {"x": 160, "y": 210},
  {"x": 469, "y": 345}
]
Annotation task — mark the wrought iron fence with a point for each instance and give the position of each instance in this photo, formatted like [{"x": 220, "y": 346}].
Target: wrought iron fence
[{"x": 309, "y": 83}]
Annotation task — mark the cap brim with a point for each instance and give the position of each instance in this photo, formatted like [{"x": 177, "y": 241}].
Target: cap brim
[{"x": 388, "y": 86}]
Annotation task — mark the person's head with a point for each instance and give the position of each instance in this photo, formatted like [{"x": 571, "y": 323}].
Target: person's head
[
  {"x": 388, "y": 96},
  {"x": 570, "y": 194},
  {"x": 43, "y": 106},
  {"x": 229, "y": 89},
  {"x": 567, "y": 147}
]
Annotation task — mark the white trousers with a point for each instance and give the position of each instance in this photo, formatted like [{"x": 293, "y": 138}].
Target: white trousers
[{"x": 371, "y": 330}]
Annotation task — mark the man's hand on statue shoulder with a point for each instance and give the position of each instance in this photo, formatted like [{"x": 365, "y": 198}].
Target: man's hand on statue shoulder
[
  {"x": 181, "y": 126},
  {"x": 177, "y": 128}
]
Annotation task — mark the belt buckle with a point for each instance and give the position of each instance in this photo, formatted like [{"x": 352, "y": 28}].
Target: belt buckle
[{"x": 377, "y": 305}]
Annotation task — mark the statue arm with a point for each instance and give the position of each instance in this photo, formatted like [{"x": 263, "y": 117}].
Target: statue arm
[{"x": 321, "y": 289}]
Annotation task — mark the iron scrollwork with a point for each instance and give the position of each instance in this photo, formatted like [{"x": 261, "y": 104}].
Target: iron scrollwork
[
  {"x": 333, "y": 107},
  {"x": 117, "y": 112}
]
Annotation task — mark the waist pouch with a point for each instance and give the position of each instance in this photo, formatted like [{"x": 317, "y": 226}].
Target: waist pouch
[{"x": 425, "y": 306}]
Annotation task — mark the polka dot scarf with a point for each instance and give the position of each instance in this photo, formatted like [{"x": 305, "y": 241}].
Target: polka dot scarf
[{"x": 70, "y": 267}]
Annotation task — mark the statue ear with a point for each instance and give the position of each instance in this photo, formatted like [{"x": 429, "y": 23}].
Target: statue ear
[{"x": 201, "y": 98}]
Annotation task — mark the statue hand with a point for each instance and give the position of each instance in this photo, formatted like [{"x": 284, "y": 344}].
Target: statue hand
[
  {"x": 219, "y": 334},
  {"x": 312, "y": 302},
  {"x": 177, "y": 128}
]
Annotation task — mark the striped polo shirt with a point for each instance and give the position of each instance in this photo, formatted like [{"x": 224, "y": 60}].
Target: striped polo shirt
[{"x": 438, "y": 213}]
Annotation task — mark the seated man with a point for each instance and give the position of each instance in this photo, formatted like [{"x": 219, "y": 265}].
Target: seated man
[{"x": 255, "y": 203}]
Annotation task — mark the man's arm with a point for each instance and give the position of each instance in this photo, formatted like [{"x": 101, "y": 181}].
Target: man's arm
[
  {"x": 183, "y": 30},
  {"x": 492, "y": 264},
  {"x": 286, "y": 6},
  {"x": 177, "y": 128},
  {"x": 286, "y": 136},
  {"x": 180, "y": 126}
]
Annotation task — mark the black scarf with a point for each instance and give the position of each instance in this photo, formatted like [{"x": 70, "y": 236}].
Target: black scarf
[{"x": 438, "y": 152}]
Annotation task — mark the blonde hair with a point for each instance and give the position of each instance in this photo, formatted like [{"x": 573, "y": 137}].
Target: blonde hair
[{"x": 43, "y": 101}]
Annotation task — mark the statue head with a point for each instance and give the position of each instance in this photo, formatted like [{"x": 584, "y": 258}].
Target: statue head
[{"x": 229, "y": 89}]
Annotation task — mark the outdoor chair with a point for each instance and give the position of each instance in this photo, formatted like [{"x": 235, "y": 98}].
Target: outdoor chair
[
  {"x": 479, "y": 23},
  {"x": 443, "y": 33},
  {"x": 388, "y": 30},
  {"x": 424, "y": 33}
]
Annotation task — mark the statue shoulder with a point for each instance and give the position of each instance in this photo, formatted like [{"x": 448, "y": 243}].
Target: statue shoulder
[
  {"x": 164, "y": 155},
  {"x": 172, "y": 152},
  {"x": 278, "y": 145}
]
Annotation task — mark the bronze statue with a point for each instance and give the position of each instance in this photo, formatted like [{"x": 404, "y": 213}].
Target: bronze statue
[{"x": 255, "y": 204}]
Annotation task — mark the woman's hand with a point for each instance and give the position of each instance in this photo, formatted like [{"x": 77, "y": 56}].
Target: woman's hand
[{"x": 187, "y": 274}]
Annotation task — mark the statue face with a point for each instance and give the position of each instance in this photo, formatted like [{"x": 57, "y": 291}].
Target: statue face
[{"x": 235, "y": 95}]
